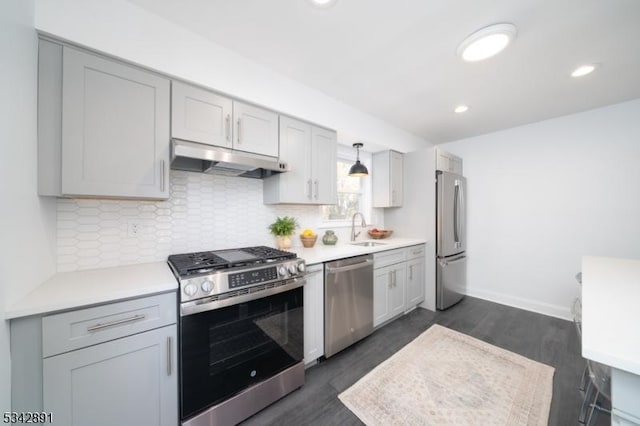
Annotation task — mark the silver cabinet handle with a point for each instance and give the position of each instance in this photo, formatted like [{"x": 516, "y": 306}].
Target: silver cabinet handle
[
  {"x": 162, "y": 176},
  {"x": 390, "y": 279},
  {"x": 227, "y": 127},
  {"x": 99, "y": 326},
  {"x": 239, "y": 139},
  {"x": 410, "y": 272},
  {"x": 395, "y": 278},
  {"x": 317, "y": 188},
  {"x": 310, "y": 193},
  {"x": 169, "y": 355}
]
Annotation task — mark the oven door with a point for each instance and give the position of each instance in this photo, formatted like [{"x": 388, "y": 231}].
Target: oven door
[{"x": 233, "y": 346}]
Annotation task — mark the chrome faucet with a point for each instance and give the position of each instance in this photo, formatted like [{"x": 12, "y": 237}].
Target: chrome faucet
[{"x": 354, "y": 235}]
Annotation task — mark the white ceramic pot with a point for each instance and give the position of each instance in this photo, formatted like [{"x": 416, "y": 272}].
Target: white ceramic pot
[{"x": 283, "y": 242}]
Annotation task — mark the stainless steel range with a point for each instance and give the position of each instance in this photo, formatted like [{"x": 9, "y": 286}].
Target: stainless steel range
[{"x": 241, "y": 332}]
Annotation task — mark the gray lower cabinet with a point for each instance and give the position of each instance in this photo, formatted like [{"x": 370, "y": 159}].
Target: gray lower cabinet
[
  {"x": 388, "y": 292},
  {"x": 103, "y": 126},
  {"x": 112, "y": 364},
  {"x": 128, "y": 381},
  {"x": 314, "y": 313},
  {"x": 415, "y": 281},
  {"x": 398, "y": 282}
]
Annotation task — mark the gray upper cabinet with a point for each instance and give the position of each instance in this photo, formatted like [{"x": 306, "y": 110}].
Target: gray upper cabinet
[
  {"x": 256, "y": 129},
  {"x": 310, "y": 153},
  {"x": 323, "y": 162},
  {"x": 113, "y": 140},
  {"x": 387, "y": 179},
  {"x": 201, "y": 116}
]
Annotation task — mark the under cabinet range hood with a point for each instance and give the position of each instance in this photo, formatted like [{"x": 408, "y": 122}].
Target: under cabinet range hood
[{"x": 198, "y": 157}]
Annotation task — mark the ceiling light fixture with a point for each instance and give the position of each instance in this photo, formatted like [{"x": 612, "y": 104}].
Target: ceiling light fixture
[
  {"x": 322, "y": 4},
  {"x": 583, "y": 70},
  {"x": 358, "y": 169},
  {"x": 460, "y": 109},
  {"x": 486, "y": 42}
]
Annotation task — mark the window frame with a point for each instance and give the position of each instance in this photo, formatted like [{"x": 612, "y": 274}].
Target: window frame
[{"x": 348, "y": 154}]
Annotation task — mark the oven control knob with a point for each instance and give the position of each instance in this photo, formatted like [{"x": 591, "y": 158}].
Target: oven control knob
[
  {"x": 282, "y": 271},
  {"x": 301, "y": 267},
  {"x": 190, "y": 289},
  {"x": 206, "y": 286},
  {"x": 293, "y": 270}
]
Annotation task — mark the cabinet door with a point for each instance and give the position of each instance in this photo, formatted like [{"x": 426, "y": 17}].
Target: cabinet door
[
  {"x": 397, "y": 299},
  {"x": 256, "y": 129},
  {"x": 295, "y": 148},
  {"x": 129, "y": 381},
  {"x": 415, "y": 282},
  {"x": 314, "y": 314},
  {"x": 396, "y": 179},
  {"x": 324, "y": 158},
  {"x": 200, "y": 116},
  {"x": 115, "y": 129},
  {"x": 382, "y": 283}
]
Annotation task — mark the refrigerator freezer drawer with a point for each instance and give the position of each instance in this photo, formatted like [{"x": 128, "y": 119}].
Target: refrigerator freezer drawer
[{"x": 451, "y": 278}]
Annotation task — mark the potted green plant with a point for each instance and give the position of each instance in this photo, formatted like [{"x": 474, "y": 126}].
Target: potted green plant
[{"x": 283, "y": 228}]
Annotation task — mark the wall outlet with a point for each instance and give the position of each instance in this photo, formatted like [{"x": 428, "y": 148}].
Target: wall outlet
[{"x": 135, "y": 228}]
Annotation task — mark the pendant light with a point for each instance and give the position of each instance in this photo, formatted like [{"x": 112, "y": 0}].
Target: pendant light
[{"x": 358, "y": 169}]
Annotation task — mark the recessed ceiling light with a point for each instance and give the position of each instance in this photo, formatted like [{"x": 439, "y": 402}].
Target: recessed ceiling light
[
  {"x": 460, "y": 109},
  {"x": 322, "y": 4},
  {"x": 583, "y": 70},
  {"x": 486, "y": 42}
]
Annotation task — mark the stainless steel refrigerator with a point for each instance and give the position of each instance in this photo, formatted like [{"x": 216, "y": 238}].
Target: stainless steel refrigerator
[{"x": 451, "y": 239}]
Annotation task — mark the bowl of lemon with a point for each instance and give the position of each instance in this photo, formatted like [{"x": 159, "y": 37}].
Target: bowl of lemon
[{"x": 308, "y": 238}]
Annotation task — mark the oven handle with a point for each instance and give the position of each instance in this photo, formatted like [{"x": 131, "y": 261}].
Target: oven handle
[{"x": 197, "y": 306}]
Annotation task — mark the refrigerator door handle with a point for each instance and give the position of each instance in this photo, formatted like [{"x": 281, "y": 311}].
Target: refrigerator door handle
[
  {"x": 462, "y": 234},
  {"x": 456, "y": 209}
]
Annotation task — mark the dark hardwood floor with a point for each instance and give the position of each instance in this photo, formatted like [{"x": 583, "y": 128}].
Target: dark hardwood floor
[{"x": 538, "y": 337}]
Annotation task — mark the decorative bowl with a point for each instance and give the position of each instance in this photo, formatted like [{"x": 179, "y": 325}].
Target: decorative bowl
[
  {"x": 308, "y": 242},
  {"x": 379, "y": 234}
]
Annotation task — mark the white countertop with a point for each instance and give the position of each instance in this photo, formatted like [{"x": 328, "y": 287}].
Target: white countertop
[
  {"x": 320, "y": 253},
  {"x": 69, "y": 290},
  {"x": 610, "y": 312}
]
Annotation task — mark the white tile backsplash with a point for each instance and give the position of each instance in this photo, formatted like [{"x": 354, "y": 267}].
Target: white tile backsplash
[{"x": 204, "y": 212}]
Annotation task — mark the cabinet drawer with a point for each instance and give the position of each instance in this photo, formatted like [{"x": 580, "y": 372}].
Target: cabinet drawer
[
  {"x": 415, "y": 251},
  {"x": 85, "y": 327},
  {"x": 389, "y": 257}
]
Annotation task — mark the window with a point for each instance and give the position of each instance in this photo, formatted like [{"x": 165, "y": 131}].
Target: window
[{"x": 353, "y": 193}]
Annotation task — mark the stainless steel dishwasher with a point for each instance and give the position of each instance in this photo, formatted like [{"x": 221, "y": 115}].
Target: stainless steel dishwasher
[{"x": 348, "y": 302}]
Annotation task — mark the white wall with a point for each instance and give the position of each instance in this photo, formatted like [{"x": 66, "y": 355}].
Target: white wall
[
  {"x": 27, "y": 222},
  {"x": 543, "y": 195},
  {"x": 127, "y": 31}
]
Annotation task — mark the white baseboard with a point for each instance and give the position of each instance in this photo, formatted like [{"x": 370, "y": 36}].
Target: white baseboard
[{"x": 562, "y": 312}]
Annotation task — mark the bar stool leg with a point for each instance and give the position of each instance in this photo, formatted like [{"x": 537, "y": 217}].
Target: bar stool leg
[
  {"x": 584, "y": 382},
  {"x": 584, "y": 408}
]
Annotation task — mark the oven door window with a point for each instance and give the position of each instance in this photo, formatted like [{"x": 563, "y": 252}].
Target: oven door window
[{"x": 226, "y": 350}]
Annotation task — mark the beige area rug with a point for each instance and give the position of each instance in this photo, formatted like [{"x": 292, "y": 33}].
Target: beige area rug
[{"x": 447, "y": 378}]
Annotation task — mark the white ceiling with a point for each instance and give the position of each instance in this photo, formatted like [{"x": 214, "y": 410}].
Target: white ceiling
[{"x": 397, "y": 59}]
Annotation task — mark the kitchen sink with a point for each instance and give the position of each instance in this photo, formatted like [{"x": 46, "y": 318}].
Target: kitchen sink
[{"x": 368, "y": 244}]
